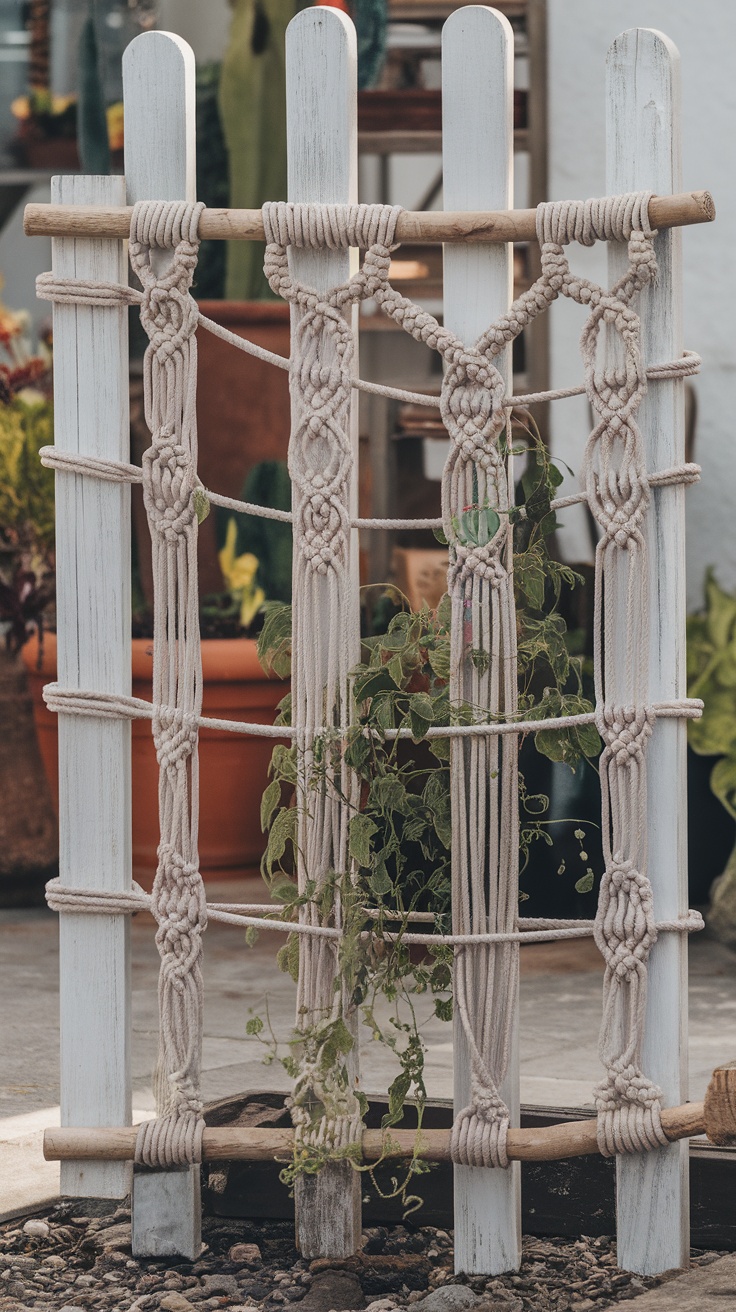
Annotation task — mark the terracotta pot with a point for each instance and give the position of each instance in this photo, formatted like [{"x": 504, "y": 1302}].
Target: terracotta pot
[
  {"x": 243, "y": 411},
  {"x": 233, "y": 769}
]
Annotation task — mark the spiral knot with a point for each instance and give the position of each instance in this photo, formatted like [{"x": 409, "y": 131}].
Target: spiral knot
[
  {"x": 169, "y": 481},
  {"x": 169, "y": 316}
]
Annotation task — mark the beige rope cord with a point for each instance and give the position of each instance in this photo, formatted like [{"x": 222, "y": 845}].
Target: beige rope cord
[
  {"x": 177, "y": 901},
  {"x": 484, "y": 783}
]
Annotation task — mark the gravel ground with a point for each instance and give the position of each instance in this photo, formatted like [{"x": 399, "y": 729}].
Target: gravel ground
[{"x": 64, "y": 1261}]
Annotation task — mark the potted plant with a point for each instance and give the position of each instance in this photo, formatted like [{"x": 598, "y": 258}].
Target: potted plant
[
  {"x": 711, "y": 667},
  {"x": 233, "y": 767},
  {"x": 399, "y": 831}
]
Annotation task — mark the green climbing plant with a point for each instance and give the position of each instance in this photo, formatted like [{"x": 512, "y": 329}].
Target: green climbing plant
[{"x": 399, "y": 833}]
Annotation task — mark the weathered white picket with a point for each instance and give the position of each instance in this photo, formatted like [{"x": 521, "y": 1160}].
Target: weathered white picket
[
  {"x": 93, "y": 586},
  {"x": 322, "y": 144},
  {"x": 160, "y": 156},
  {"x": 93, "y": 606},
  {"x": 644, "y": 153},
  {"x": 478, "y": 174}
]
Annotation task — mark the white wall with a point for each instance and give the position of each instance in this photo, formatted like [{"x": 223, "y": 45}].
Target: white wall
[
  {"x": 205, "y": 24},
  {"x": 580, "y": 32}
]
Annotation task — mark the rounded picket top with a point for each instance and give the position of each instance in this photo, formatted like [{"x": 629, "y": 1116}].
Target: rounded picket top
[{"x": 159, "y": 126}]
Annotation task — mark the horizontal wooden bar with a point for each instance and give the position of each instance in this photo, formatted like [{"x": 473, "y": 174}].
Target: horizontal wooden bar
[
  {"x": 247, "y": 1144},
  {"x": 429, "y": 227}
]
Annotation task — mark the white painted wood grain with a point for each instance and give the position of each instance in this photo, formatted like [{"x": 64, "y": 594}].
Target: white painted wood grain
[
  {"x": 321, "y": 109},
  {"x": 160, "y": 145},
  {"x": 477, "y": 145},
  {"x": 643, "y": 152},
  {"x": 158, "y": 94},
  {"x": 93, "y": 622}
]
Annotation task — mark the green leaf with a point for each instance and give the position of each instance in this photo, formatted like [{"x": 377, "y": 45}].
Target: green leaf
[
  {"x": 444, "y": 612},
  {"x": 723, "y": 782},
  {"x": 443, "y": 1008},
  {"x": 361, "y": 830},
  {"x": 380, "y": 880},
  {"x": 374, "y": 681},
  {"x": 421, "y": 714},
  {"x": 439, "y": 659},
  {"x": 715, "y": 733},
  {"x": 269, "y": 802},
  {"x": 287, "y": 957},
  {"x": 274, "y": 640},
  {"x": 254, "y": 1025},
  {"x": 388, "y": 793},
  {"x": 201, "y": 504},
  {"x": 284, "y": 829},
  {"x": 585, "y": 883}
]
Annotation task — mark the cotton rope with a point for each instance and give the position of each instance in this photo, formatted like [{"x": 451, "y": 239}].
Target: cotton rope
[
  {"x": 163, "y": 253},
  {"x": 483, "y": 755}
]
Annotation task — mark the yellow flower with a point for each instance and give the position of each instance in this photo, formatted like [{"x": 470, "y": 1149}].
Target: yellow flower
[
  {"x": 21, "y": 107},
  {"x": 239, "y": 573},
  {"x": 115, "y": 125}
]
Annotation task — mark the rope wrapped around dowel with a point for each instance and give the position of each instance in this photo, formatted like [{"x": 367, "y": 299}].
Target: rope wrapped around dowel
[{"x": 163, "y": 253}]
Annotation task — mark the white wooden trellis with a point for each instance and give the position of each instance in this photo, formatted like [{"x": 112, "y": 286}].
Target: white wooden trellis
[{"x": 93, "y": 583}]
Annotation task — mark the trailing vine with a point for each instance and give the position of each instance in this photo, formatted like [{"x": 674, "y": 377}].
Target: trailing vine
[{"x": 399, "y": 836}]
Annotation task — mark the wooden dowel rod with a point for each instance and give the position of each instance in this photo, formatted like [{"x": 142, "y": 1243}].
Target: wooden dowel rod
[
  {"x": 245, "y": 1144},
  {"x": 428, "y": 227}
]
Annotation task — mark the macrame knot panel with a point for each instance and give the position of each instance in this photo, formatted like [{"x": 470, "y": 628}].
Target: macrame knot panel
[
  {"x": 163, "y": 253},
  {"x": 325, "y": 1111}
]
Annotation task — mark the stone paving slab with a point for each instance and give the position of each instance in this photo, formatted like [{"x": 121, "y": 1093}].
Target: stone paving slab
[{"x": 709, "y": 1288}]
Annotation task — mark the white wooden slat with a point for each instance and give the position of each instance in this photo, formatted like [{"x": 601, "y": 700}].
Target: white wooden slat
[
  {"x": 321, "y": 110},
  {"x": 643, "y": 152},
  {"x": 158, "y": 93},
  {"x": 477, "y": 144},
  {"x": 93, "y": 623}
]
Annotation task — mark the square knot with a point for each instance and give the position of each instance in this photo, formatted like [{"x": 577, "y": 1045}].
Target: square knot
[
  {"x": 478, "y": 561},
  {"x": 625, "y": 731},
  {"x": 169, "y": 481},
  {"x": 174, "y": 736}
]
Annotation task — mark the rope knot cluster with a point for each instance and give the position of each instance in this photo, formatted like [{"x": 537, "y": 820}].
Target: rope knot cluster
[
  {"x": 625, "y": 730},
  {"x": 484, "y": 562},
  {"x": 479, "y": 1135},
  {"x": 169, "y": 482},
  {"x": 179, "y": 905},
  {"x": 625, "y": 928},
  {"x": 175, "y": 736}
]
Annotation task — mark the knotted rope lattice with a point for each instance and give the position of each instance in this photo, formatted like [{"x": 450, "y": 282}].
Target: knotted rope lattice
[
  {"x": 163, "y": 253},
  {"x": 484, "y": 783}
]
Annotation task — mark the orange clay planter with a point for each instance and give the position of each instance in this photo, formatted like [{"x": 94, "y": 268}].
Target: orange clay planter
[{"x": 233, "y": 769}]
